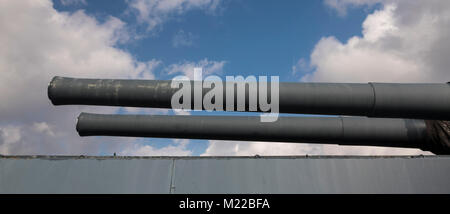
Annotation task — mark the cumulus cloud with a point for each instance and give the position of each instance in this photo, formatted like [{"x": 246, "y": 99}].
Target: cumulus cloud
[
  {"x": 187, "y": 68},
  {"x": 183, "y": 39},
  {"x": 341, "y": 6},
  {"x": 301, "y": 67},
  {"x": 232, "y": 148},
  {"x": 178, "y": 149},
  {"x": 73, "y": 2},
  {"x": 240, "y": 148},
  {"x": 156, "y": 12},
  {"x": 404, "y": 41},
  {"x": 9, "y": 136},
  {"x": 41, "y": 43}
]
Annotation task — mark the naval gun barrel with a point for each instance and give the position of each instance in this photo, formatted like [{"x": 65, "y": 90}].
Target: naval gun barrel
[
  {"x": 387, "y": 100},
  {"x": 357, "y": 131}
]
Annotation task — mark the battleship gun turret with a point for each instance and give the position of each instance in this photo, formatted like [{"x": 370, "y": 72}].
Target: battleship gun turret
[{"x": 388, "y": 114}]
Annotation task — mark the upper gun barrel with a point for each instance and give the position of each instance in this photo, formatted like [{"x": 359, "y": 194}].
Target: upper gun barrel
[{"x": 389, "y": 100}]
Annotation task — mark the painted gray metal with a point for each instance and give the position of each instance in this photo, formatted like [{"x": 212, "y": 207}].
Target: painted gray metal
[
  {"x": 392, "y": 100},
  {"x": 84, "y": 175},
  {"x": 336, "y": 130},
  {"x": 429, "y": 174}
]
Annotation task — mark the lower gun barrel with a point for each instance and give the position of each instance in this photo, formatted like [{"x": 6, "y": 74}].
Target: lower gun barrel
[{"x": 361, "y": 131}]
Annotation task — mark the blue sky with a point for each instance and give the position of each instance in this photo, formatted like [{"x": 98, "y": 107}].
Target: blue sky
[
  {"x": 309, "y": 40},
  {"x": 254, "y": 37}
]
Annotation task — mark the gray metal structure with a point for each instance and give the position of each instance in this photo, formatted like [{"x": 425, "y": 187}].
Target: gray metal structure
[
  {"x": 389, "y": 100},
  {"x": 321, "y": 174}
]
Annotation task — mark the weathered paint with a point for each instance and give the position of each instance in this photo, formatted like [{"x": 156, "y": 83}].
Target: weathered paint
[{"x": 365, "y": 131}]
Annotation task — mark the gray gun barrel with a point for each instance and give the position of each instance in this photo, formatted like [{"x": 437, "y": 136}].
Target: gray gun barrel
[
  {"x": 392, "y": 100},
  {"x": 406, "y": 133}
]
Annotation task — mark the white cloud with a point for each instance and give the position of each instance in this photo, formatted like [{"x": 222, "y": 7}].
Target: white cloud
[
  {"x": 73, "y": 2},
  {"x": 243, "y": 148},
  {"x": 404, "y": 41},
  {"x": 183, "y": 39},
  {"x": 181, "y": 112},
  {"x": 341, "y": 5},
  {"x": 301, "y": 67},
  {"x": 11, "y": 134},
  {"x": 145, "y": 70},
  {"x": 187, "y": 68},
  {"x": 43, "y": 127},
  {"x": 156, "y": 12},
  {"x": 233, "y": 148},
  {"x": 137, "y": 149}
]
